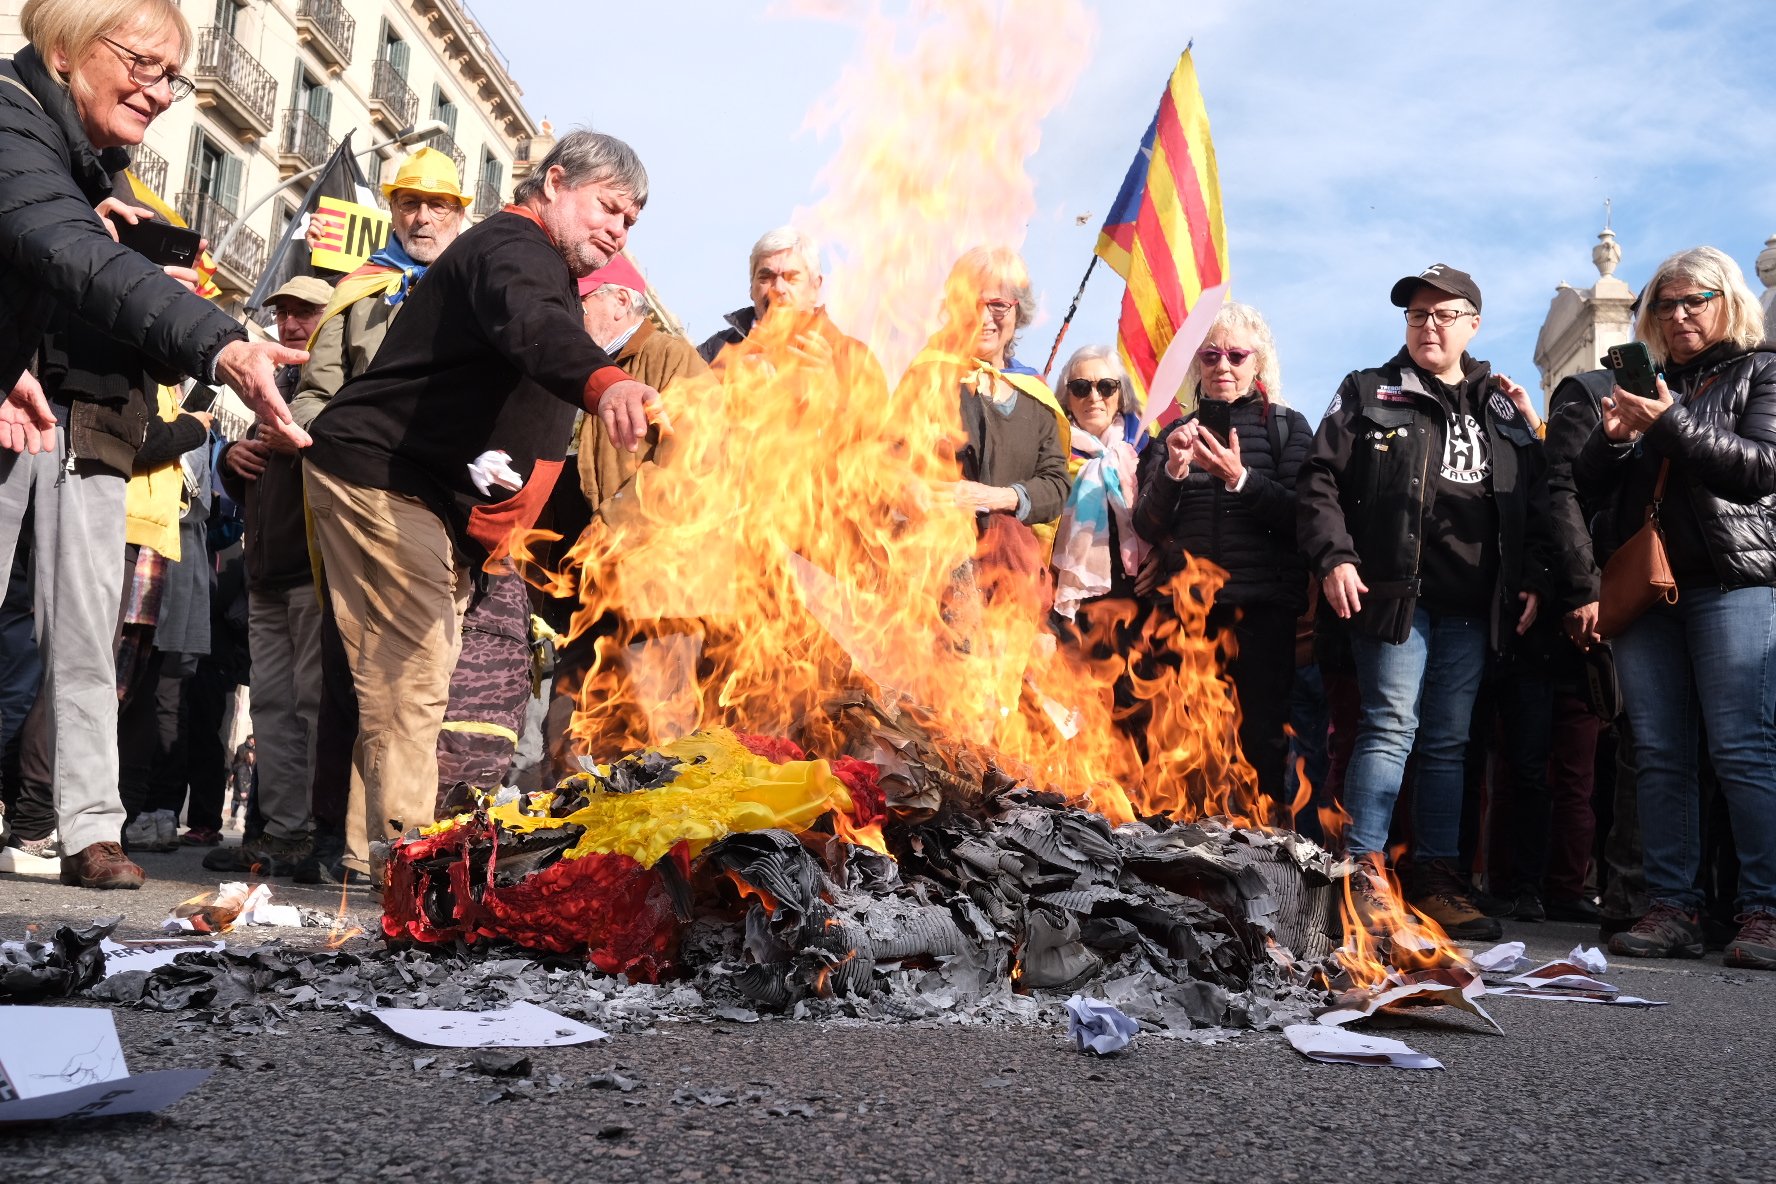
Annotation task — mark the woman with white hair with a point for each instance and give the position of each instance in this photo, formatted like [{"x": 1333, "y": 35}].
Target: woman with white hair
[
  {"x": 1220, "y": 486},
  {"x": 1097, "y": 552},
  {"x": 1700, "y": 458}
]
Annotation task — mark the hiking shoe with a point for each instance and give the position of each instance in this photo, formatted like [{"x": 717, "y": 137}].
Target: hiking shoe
[
  {"x": 1665, "y": 932},
  {"x": 1437, "y": 891},
  {"x": 1755, "y": 947},
  {"x": 28, "y": 859},
  {"x": 102, "y": 865},
  {"x": 202, "y": 836},
  {"x": 263, "y": 854}
]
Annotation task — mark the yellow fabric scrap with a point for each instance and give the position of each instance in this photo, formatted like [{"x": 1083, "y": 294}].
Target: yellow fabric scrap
[{"x": 729, "y": 792}]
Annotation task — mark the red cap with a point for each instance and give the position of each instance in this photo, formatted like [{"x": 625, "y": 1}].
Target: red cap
[{"x": 618, "y": 271}]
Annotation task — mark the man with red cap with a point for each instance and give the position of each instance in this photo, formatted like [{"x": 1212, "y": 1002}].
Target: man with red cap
[{"x": 614, "y": 299}]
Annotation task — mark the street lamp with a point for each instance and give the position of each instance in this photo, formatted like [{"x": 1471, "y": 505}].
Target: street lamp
[{"x": 412, "y": 134}]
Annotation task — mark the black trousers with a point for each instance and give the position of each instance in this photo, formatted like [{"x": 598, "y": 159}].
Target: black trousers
[{"x": 1257, "y": 643}]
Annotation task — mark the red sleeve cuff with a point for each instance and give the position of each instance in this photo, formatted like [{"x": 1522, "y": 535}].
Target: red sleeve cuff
[{"x": 602, "y": 380}]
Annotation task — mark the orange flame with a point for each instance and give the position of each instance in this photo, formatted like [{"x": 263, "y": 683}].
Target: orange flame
[
  {"x": 861, "y": 836},
  {"x": 1384, "y": 935},
  {"x": 338, "y": 932}
]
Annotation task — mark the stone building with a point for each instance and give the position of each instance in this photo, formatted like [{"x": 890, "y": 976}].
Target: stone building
[
  {"x": 280, "y": 82},
  {"x": 1584, "y": 322}
]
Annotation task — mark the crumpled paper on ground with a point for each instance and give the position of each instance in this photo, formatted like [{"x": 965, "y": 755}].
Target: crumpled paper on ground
[
  {"x": 234, "y": 904},
  {"x": 69, "y": 963},
  {"x": 1337, "y": 1046},
  {"x": 1096, "y": 1026},
  {"x": 1502, "y": 958},
  {"x": 1591, "y": 961},
  {"x": 1450, "y": 985}
]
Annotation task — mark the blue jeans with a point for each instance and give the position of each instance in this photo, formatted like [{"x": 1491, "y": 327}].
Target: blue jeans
[
  {"x": 1422, "y": 691},
  {"x": 1711, "y": 657}
]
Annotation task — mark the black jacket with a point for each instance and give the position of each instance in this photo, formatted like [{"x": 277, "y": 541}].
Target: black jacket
[
  {"x": 1574, "y": 410},
  {"x": 1250, "y": 533},
  {"x": 1721, "y": 440},
  {"x": 271, "y": 504},
  {"x": 55, "y": 254},
  {"x": 740, "y": 323},
  {"x": 489, "y": 352},
  {"x": 1370, "y": 481}
]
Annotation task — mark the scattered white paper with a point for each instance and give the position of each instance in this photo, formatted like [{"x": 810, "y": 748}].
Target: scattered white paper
[
  {"x": 147, "y": 955},
  {"x": 65, "y": 1062},
  {"x": 234, "y": 904},
  {"x": 1096, "y": 1026},
  {"x": 1341, "y": 1046},
  {"x": 1591, "y": 961},
  {"x": 1572, "y": 996},
  {"x": 1564, "y": 975},
  {"x": 522, "y": 1025},
  {"x": 1501, "y": 958}
]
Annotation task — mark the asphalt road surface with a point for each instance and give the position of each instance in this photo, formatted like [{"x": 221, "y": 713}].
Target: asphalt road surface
[{"x": 1572, "y": 1092}]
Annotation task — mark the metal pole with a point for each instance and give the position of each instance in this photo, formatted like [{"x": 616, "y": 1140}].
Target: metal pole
[{"x": 1068, "y": 319}]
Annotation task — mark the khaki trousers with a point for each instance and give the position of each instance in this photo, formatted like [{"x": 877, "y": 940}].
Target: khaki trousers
[{"x": 399, "y": 597}]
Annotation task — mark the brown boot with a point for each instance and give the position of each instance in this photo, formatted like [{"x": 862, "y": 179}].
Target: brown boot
[
  {"x": 1436, "y": 890},
  {"x": 102, "y": 865}
]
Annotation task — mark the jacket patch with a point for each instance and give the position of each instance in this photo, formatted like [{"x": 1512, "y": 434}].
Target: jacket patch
[
  {"x": 1393, "y": 394},
  {"x": 1502, "y": 406}
]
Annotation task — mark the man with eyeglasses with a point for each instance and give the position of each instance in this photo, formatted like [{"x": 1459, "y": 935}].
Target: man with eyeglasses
[{"x": 1423, "y": 510}]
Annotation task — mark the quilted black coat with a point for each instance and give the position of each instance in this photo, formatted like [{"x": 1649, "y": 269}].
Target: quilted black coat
[{"x": 54, "y": 252}]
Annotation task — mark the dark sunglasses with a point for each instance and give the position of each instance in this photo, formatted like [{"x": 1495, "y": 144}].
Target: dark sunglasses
[
  {"x": 1212, "y": 356},
  {"x": 1081, "y": 388}
]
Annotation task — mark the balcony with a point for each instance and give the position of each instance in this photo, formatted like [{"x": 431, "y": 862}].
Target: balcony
[
  {"x": 392, "y": 102},
  {"x": 240, "y": 268},
  {"x": 487, "y": 199},
  {"x": 326, "y": 28},
  {"x": 150, "y": 166},
  {"x": 447, "y": 145},
  {"x": 233, "y": 86},
  {"x": 306, "y": 144}
]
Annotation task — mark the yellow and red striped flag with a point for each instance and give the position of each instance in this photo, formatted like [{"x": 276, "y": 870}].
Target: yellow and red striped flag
[{"x": 1166, "y": 237}]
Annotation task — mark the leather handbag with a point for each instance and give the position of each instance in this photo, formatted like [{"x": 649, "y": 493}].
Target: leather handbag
[{"x": 1638, "y": 575}]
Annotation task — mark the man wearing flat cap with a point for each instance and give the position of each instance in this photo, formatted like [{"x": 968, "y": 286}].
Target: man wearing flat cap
[
  {"x": 283, "y": 614},
  {"x": 1423, "y": 510}
]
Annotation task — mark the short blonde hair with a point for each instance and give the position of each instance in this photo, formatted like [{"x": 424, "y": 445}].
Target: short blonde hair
[
  {"x": 72, "y": 27},
  {"x": 1244, "y": 316},
  {"x": 1715, "y": 271}
]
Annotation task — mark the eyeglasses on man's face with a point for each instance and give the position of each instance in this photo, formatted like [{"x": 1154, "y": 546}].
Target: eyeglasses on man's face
[
  {"x": 1445, "y": 317},
  {"x": 147, "y": 73},
  {"x": 1211, "y": 357},
  {"x": 440, "y": 206},
  {"x": 1693, "y": 304},
  {"x": 1104, "y": 388}
]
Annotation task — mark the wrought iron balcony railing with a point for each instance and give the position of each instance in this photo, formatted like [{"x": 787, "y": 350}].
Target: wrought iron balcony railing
[
  {"x": 232, "y": 83},
  {"x": 391, "y": 100},
  {"x": 328, "y": 29},
  {"x": 306, "y": 144},
  {"x": 151, "y": 166},
  {"x": 212, "y": 219}
]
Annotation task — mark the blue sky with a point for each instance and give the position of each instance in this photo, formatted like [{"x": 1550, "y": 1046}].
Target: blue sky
[{"x": 1357, "y": 142}]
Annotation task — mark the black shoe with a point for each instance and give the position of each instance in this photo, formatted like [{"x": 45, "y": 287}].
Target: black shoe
[
  {"x": 1665, "y": 932},
  {"x": 1574, "y": 908},
  {"x": 1529, "y": 907},
  {"x": 1502, "y": 905},
  {"x": 261, "y": 855}
]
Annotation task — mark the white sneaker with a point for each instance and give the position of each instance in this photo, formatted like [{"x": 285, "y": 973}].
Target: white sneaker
[
  {"x": 167, "y": 824},
  {"x": 17, "y": 861},
  {"x": 143, "y": 834}
]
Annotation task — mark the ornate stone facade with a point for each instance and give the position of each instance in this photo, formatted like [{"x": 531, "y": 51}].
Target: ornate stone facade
[{"x": 1584, "y": 322}]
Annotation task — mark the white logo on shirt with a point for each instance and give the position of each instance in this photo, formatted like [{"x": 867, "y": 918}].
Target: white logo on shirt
[{"x": 1466, "y": 456}]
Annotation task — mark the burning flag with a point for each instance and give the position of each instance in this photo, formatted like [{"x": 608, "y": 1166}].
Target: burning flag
[{"x": 1166, "y": 236}]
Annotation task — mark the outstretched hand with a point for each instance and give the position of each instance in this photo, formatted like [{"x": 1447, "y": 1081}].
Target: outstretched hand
[
  {"x": 627, "y": 408},
  {"x": 26, "y": 422},
  {"x": 249, "y": 368}
]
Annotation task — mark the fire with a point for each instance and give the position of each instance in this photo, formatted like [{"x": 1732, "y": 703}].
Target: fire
[
  {"x": 792, "y": 539},
  {"x": 1383, "y": 935},
  {"x": 342, "y": 930},
  {"x": 869, "y": 835},
  {"x": 748, "y": 891}
]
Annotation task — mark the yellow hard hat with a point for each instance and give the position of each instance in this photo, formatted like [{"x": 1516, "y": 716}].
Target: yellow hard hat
[{"x": 429, "y": 171}]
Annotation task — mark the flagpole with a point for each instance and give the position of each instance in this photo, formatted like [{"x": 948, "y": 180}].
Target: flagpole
[{"x": 1068, "y": 319}]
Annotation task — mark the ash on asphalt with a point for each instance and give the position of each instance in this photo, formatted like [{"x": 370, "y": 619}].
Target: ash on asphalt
[{"x": 1572, "y": 1090}]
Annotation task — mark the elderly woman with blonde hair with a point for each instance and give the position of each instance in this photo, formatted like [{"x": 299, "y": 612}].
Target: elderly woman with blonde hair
[
  {"x": 1220, "y": 486},
  {"x": 1699, "y": 457}
]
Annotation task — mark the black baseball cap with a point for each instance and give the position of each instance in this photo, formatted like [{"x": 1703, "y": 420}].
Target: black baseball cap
[{"x": 1442, "y": 277}]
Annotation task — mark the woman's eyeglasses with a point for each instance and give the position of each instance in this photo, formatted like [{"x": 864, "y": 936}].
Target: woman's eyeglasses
[
  {"x": 1211, "y": 357},
  {"x": 1445, "y": 317},
  {"x": 1693, "y": 304},
  {"x": 1105, "y": 388},
  {"x": 146, "y": 73}
]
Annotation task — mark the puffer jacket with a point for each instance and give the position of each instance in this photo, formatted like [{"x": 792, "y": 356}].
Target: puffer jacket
[
  {"x": 1720, "y": 437},
  {"x": 1250, "y": 533},
  {"x": 55, "y": 254}
]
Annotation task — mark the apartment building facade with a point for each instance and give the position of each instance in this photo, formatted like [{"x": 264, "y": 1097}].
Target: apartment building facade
[{"x": 281, "y": 82}]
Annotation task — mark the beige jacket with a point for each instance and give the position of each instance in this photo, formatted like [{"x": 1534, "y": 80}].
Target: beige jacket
[{"x": 342, "y": 348}]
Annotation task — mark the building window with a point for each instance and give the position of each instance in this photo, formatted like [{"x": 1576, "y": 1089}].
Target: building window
[
  {"x": 227, "y": 13},
  {"x": 311, "y": 96},
  {"x": 214, "y": 172},
  {"x": 394, "y": 50},
  {"x": 444, "y": 109}
]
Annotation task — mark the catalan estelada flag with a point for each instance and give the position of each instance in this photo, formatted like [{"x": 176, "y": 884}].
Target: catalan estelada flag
[{"x": 1165, "y": 235}]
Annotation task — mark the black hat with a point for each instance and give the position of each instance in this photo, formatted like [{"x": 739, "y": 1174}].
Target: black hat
[{"x": 1442, "y": 277}]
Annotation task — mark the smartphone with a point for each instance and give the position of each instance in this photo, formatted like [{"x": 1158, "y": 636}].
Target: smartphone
[
  {"x": 162, "y": 242},
  {"x": 1216, "y": 418},
  {"x": 1633, "y": 367}
]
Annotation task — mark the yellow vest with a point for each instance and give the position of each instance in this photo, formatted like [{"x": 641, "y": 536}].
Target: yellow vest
[{"x": 154, "y": 501}]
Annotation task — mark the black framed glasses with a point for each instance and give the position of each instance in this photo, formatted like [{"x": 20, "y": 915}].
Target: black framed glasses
[
  {"x": 145, "y": 72},
  {"x": 1445, "y": 317},
  {"x": 1105, "y": 388},
  {"x": 1693, "y": 304}
]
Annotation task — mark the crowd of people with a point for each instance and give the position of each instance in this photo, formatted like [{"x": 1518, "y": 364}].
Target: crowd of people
[{"x": 1410, "y": 614}]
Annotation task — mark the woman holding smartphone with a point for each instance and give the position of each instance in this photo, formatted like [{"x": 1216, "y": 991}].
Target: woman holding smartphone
[
  {"x": 1220, "y": 486},
  {"x": 1703, "y": 448}
]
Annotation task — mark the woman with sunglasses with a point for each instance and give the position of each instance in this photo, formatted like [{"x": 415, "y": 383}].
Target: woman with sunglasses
[
  {"x": 1704, "y": 452},
  {"x": 1232, "y": 502},
  {"x": 89, "y": 330},
  {"x": 1097, "y": 553}
]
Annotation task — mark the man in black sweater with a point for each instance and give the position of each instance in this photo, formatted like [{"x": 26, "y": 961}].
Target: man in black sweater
[
  {"x": 426, "y": 466},
  {"x": 1423, "y": 509}
]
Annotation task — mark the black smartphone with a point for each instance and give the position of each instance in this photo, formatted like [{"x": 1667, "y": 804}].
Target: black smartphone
[
  {"x": 162, "y": 242},
  {"x": 1216, "y": 419},
  {"x": 1633, "y": 367}
]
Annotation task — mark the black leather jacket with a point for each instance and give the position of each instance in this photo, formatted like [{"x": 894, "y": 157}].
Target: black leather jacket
[{"x": 1720, "y": 437}]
